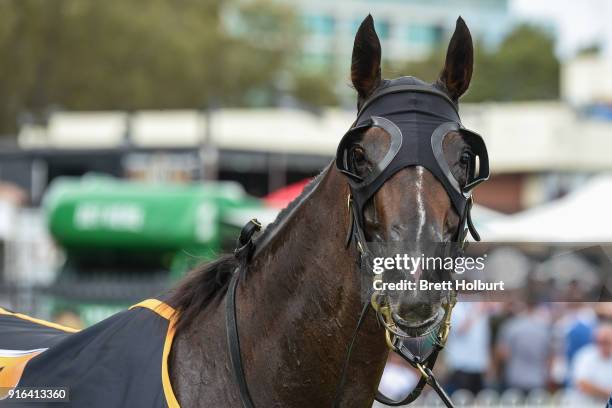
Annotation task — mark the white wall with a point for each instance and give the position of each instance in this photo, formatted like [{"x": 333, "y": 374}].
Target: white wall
[
  {"x": 520, "y": 136},
  {"x": 587, "y": 80}
]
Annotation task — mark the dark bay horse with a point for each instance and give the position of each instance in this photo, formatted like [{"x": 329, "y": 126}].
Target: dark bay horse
[
  {"x": 300, "y": 296},
  {"x": 292, "y": 318}
]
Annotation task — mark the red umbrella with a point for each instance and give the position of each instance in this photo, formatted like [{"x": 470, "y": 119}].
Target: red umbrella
[{"x": 283, "y": 196}]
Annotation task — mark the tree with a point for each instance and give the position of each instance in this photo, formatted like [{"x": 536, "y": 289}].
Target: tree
[
  {"x": 154, "y": 54},
  {"x": 523, "y": 67},
  {"x": 315, "y": 89}
]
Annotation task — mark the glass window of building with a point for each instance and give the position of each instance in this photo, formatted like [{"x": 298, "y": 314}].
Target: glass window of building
[
  {"x": 422, "y": 34},
  {"x": 382, "y": 28},
  {"x": 319, "y": 24}
]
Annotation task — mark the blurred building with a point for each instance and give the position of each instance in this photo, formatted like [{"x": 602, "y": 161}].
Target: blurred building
[
  {"x": 586, "y": 82},
  {"x": 408, "y": 30},
  {"x": 538, "y": 150}
]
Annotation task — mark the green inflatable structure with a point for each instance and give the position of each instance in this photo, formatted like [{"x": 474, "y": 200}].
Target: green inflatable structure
[
  {"x": 100, "y": 212},
  {"x": 124, "y": 240}
]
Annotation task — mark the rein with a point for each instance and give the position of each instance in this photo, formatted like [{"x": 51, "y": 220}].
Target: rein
[
  {"x": 244, "y": 252},
  {"x": 383, "y": 312},
  {"x": 396, "y": 107}
]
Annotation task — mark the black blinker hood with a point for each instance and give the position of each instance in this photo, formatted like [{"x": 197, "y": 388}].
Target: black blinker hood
[{"x": 417, "y": 116}]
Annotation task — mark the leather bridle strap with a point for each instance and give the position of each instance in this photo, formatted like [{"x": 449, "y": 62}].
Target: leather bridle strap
[
  {"x": 236, "y": 358},
  {"x": 243, "y": 253},
  {"x": 414, "y": 394},
  {"x": 233, "y": 343},
  {"x": 347, "y": 358},
  {"x": 427, "y": 378},
  {"x": 355, "y": 233}
]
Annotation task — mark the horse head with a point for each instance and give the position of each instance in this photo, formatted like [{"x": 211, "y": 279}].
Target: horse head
[{"x": 411, "y": 166}]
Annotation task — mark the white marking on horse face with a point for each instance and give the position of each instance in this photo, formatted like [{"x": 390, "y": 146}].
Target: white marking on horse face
[{"x": 421, "y": 216}]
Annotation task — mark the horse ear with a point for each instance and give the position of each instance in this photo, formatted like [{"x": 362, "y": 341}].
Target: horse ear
[
  {"x": 365, "y": 64},
  {"x": 457, "y": 72}
]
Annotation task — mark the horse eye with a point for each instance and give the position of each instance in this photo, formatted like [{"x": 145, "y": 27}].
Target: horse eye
[
  {"x": 359, "y": 160},
  {"x": 358, "y": 154},
  {"x": 461, "y": 167}
]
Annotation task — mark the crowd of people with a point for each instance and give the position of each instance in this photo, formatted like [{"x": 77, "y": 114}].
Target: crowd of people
[
  {"x": 530, "y": 346},
  {"x": 526, "y": 347}
]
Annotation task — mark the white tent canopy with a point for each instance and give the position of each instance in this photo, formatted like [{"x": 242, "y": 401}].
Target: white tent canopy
[{"x": 581, "y": 216}]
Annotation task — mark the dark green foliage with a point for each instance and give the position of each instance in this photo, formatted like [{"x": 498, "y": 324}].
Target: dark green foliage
[
  {"x": 524, "y": 67},
  {"x": 163, "y": 54},
  {"x": 126, "y": 55}
]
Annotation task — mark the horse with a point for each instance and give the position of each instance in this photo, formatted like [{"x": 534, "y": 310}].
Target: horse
[
  {"x": 299, "y": 296},
  {"x": 287, "y": 321}
]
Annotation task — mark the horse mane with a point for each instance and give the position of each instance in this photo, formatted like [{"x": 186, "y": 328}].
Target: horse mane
[{"x": 209, "y": 281}]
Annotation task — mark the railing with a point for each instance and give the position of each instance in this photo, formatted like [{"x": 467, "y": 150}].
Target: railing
[{"x": 507, "y": 398}]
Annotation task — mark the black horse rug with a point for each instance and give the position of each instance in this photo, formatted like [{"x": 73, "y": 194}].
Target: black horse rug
[{"x": 120, "y": 362}]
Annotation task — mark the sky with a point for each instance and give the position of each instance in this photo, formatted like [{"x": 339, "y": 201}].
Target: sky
[{"x": 578, "y": 23}]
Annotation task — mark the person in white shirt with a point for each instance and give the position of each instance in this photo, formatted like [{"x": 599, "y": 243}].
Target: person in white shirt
[
  {"x": 467, "y": 352},
  {"x": 592, "y": 369},
  {"x": 398, "y": 379}
]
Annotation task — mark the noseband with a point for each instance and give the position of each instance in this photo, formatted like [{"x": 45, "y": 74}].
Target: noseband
[{"x": 417, "y": 116}]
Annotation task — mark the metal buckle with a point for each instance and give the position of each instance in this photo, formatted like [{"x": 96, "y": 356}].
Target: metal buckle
[{"x": 421, "y": 369}]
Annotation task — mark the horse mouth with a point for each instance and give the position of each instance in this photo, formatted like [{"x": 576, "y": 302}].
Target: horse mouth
[{"x": 406, "y": 328}]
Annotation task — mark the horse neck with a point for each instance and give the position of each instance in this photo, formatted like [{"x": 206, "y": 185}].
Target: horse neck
[{"x": 299, "y": 306}]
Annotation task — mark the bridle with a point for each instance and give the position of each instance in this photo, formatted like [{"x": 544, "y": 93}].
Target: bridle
[{"x": 421, "y": 147}]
